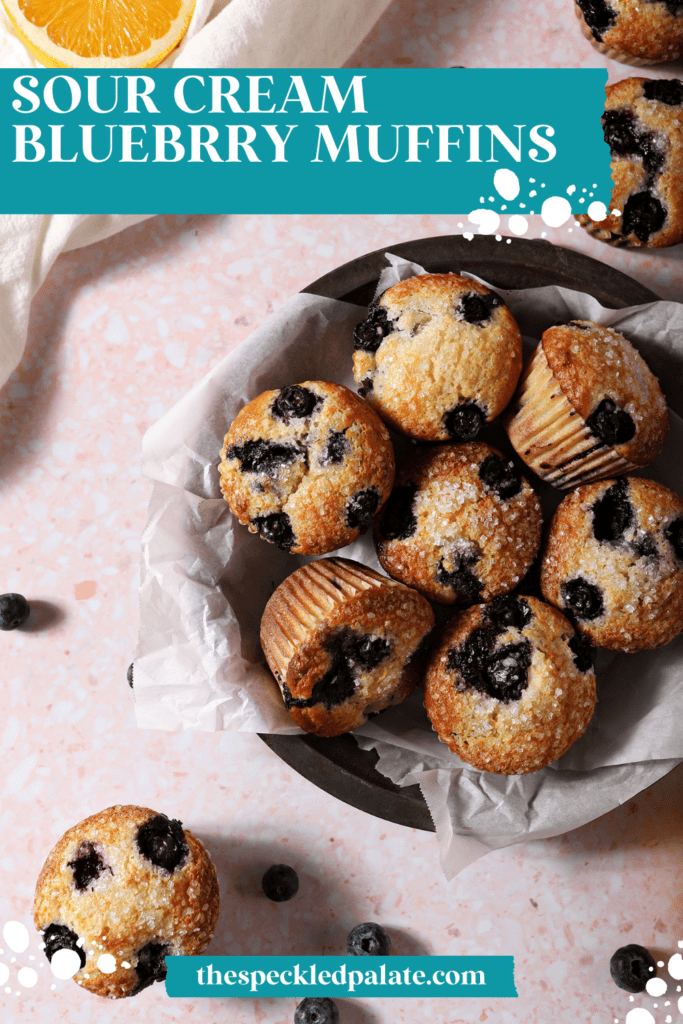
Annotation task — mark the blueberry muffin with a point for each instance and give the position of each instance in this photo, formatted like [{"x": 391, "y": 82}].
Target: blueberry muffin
[
  {"x": 438, "y": 356},
  {"x": 307, "y": 467},
  {"x": 341, "y": 641},
  {"x": 643, "y": 127},
  {"x": 587, "y": 407},
  {"x": 510, "y": 685},
  {"x": 461, "y": 524},
  {"x": 124, "y": 889},
  {"x": 633, "y": 31},
  {"x": 613, "y": 561}
]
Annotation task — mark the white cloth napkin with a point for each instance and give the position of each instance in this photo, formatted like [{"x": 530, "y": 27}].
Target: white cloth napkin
[
  {"x": 223, "y": 34},
  {"x": 252, "y": 34}
]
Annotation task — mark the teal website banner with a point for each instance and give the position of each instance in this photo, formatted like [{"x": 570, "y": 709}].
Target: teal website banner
[
  {"x": 444, "y": 977},
  {"x": 303, "y": 141}
]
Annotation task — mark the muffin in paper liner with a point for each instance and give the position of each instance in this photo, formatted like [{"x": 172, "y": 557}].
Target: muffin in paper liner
[
  {"x": 341, "y": 640},
  {"x": 613, "y": 561},
  {"x": 587, "y": 408},
  {"x": 636, "y": 32},
  {"x": 510, "y": 685},
  {"x": 130, "y": 885},
  {"x": 643, "y": 126}
]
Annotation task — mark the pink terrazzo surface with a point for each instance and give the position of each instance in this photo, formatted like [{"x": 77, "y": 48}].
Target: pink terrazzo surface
[{"x": 119, "y": 332}]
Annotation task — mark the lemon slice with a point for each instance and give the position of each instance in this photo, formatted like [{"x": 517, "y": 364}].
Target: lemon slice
[{"x": 100, "y": 33}]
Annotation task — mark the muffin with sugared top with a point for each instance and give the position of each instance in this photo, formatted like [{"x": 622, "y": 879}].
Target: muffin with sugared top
[
  {"x": 510, "y": 685},
  {"x": 613, "y": 561},
  {"x": 438, "y": 356},
  {"x": 461, "y": 525},
  {"x": 633, "y": 31},
  {"x": 587, "y": 407}
]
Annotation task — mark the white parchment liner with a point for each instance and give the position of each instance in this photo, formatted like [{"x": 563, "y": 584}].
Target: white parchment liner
[{"x": 205, "y": 581}]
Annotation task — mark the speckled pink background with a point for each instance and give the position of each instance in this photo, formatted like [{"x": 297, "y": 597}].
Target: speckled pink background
[{"x": 119, "y": 332}]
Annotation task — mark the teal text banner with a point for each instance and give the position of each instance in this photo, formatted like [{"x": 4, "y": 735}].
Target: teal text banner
[
  {"x": 340, "y": 976},
  {"x": 307, "y": 141}
]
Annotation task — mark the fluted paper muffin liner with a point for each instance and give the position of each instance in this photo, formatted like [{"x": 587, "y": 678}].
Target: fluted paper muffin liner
[{"x": 552, "y": 438}]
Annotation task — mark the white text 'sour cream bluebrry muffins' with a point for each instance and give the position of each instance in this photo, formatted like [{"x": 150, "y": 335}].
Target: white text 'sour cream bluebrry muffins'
[
  {"x": 643, "y": 127},
  {"x": 613, "y": 561},
  {"x": 510, "y": 685},
  {"x": 461, "y": 525},
  {"x": 438, "y": 356},
  {"x": 133, "y": 886},
  {"x": 633, "y": 31},
  {"x": 341, "y": 641},
  {"x": 307, "y": 466},
  {"x": 587, "y": 407}
]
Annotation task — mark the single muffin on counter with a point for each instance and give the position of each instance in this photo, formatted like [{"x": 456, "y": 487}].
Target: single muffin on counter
[
  {"x": 307, "y": 467},
  {"x": 633, "y": 31},
  {"x": 122, "y": 890},
  {"x": 462, "y": 525},
  {"x": 587, "y": 407},
  {"x": 510, "y": 685},
  {"x": 341, "y": 641},
  {"x": 613, "y": 561},
  {"x": 438, "y": 356},
  {"x": 643, "y": 127}
]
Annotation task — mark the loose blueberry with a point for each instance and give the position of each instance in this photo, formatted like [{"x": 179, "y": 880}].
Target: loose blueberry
[
  {"x": 277, "y": 528},
  {"x": 477, "y": 309},
  {"x": 14, "y": 611},
  {"x": 610, "y": 423},
  {"x": 598, "y": 15},
  {"x": 368, "y": 939},
  {"x": 464, "y": 422},
  {"x": 161, "y": 840},
  {"x": 582, "y": 598},
  {"x": 665, "y": 90},
  {"x": 500, "y": 476},
  {"x": 582, "y": 654},
  {"x": 87, "y": 866},
  {"x": 129, "y": 675},
  {"x": 398, "y": 519},
  {"x": 674, "y": 535},
  {"x": 316, "y": 1010},
  {"x": 294, "y": 403},
  {"x": 151, "y": 965},
  {"x": 466, "y": 585},
  {"x": 280, "y": 883},
  {"x": 336, "y": 448},
  {"x": 361, "y": 508},
  {"x": 508, "y": 611},
  {"x": 643, "y": 216},
  {"x": 58, "y": 936},
  {"x": 370, "y": 333},
  {"x": 613, "y": 513},
  {"x": 632, "y": 967},
  {"x": 264, "y": 457}
]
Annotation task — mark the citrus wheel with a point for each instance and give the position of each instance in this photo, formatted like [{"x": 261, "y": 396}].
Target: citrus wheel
[{"x": 100, "y": 33}]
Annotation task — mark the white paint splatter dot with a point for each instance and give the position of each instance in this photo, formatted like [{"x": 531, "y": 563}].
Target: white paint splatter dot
[
  {"x": 676, "y": 966},
  {"x": 4, "y": 973},
  {"x": 27, "y": 977},
  {"x": 571, "y": 190},
  {"x": 506, "y": 183},
  {"x": 488, "y": 221},
  {"x": 518, "y": 224},
  {"x": 15, "y": 935},
  {"x": 468, "y": 235},
  {"x": 639, "y": 1016},
  {"x": 106, "y": 963},
  {"x": 65, "y": 963},
  {"x": 555, "y": 211}
]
